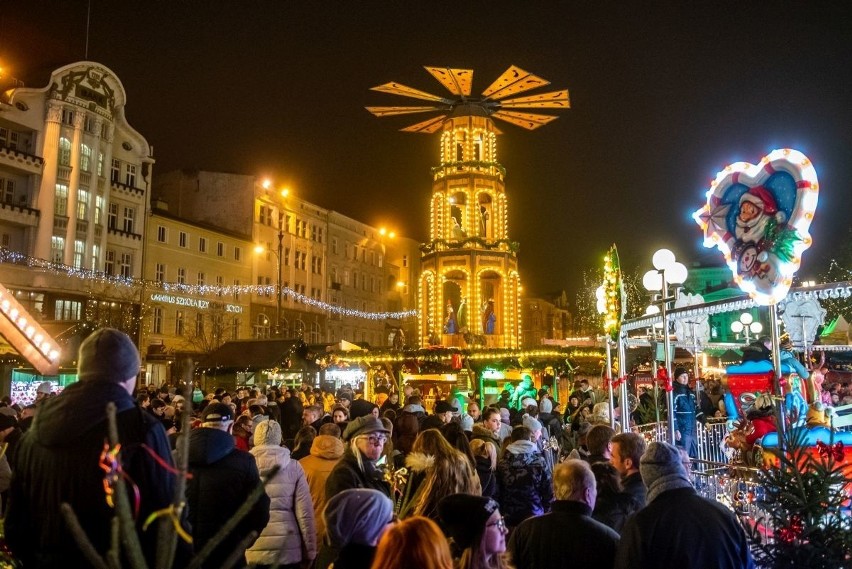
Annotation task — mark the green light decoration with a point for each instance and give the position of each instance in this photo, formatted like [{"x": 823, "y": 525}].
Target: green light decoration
[{"x": 615, "y": 301}]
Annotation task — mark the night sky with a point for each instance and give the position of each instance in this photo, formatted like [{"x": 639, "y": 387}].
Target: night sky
[{"x": 662, "y": 99}]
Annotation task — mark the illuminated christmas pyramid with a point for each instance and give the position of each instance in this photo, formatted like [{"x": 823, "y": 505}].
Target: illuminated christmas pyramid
[{"x": 469, "y": 289}]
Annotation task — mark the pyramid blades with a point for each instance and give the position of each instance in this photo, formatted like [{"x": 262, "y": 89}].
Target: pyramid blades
[
  {"x": 554, "y": 100},
  {"x": 428, "y": 126},
  {"x": 392, "y": 111},
  {"x": 405, "y": 91},
  {"x": 457, "y": 81},
  {"x": 513, "y": 81},
  {"x": 529, "y": 121}
]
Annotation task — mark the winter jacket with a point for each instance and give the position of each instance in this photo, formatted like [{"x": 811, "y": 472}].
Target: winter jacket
[
  {"x": 291, "y": 513},
  {"x": 613, "y": 508},
  {"x": 57, "y": 461},
  {"x": 222, "y": 479},
  {"x": 487, "y": 477},
  {"x": 566, "y": 538},
  {"x": 685, "y": 409},
  {"x": 457, "y": 477},
  {"x": 346, "y": 475},
  {"x": 681, "y": 529},
  {"x": 524, "y": 482},
  {"x": 788, "y": 358},
  {"x": 634, "y": 486},
  {"x": 326, "y": 452},
  {"x": 552, "y": 423},
  {"x": 482, "y": 432}
]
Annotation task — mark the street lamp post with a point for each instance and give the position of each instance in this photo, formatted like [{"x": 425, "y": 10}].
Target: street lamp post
[
  {"x": 666, "y": 271},
  {"x": 279, "y": 255},
  {"x": 746, "y": 324}
]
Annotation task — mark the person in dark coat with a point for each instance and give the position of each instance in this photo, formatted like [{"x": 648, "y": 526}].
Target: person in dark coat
[
  {"x": 627, "y": 451},
  {"x": 58, "y": 460},
  {"x": 613, "y": 505},
  {"x": 485, "y": 455},
  {"x": 567, "y": 537},
  {"x": 291, "y": 415},
  {"x": 523, "y": 479},
  {"x": 679, "y": 528},
  {"x": 222, "y": 479},
  {"x": 686, "y": 413},
  {"x": 355, "y": 520},
  {"x": 365, "y": 438},
  {"x": 758, "y": 351}
]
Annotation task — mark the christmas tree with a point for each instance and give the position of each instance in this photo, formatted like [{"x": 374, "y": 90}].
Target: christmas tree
[{"x": 805, "y": 519}]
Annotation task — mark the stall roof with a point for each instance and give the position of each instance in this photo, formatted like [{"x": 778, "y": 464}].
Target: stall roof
[{"x": 251, "y": 354}]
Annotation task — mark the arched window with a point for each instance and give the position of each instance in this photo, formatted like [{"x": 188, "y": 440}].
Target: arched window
[
  {"x": 316, "y": 333},
  {"x": 85, "y": 157},
  {"x": 64, "y": 151},
  {"x": 261, "y": 326}
]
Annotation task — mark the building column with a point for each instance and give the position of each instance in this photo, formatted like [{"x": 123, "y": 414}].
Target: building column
[
  {"x": 73, "y": 185},
  {"x": 107, "y": 183},
  {"x": 93, "y": 198},
  {"x": 47, "y": 189}
]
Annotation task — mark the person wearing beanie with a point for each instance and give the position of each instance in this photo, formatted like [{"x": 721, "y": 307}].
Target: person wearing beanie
[
  {"x": 568, "y": 536},
  {"x": 222, "y": 479},
  {"x": 442, "y": 414},
  {"x": 43, "y": 391},
  {"x": 477, "y": 529},
  {"x": 62, "y": 451},
  {"x": 551, "y": 421},
  {"x": 355, "y": 520},
  {"x": 679, "y": 528},
  {"x": 686, "y": 413},
  {"x": 365, "y": 438},
  {"x": 289, "y": 539}
]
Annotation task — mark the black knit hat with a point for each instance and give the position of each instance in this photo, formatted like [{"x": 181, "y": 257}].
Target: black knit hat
[
  {"x": 679, "y": 372},
  {"x": 464, "y": 516},
  {"x": 443, "y": 407},
  {"x": 108, "y": 355}
]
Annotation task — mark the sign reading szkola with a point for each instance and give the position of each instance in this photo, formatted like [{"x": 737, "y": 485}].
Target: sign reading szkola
[{"x": 194, "y": 302}]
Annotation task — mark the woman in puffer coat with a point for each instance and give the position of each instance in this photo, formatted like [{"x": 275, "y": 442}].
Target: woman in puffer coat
[{"x": 290, "y": 530}]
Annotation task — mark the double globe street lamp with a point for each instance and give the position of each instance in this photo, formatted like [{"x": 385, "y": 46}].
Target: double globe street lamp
[{"x": 667, "y": 271}]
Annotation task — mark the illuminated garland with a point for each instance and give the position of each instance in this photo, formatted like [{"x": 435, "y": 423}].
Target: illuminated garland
[
  {"x": 13, "y": 257},
  {"x": 613, "y": 294}
]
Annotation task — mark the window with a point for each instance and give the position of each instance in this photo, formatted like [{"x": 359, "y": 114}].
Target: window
[
  {"x": 200, "y": 278},
  {"x": 68, "y": 310},
  {"x": 235, "y": 329},
  {"x": 157, "y": 326},
  {"x": 99, "y": 210},
  {"x": 68, "y": 117},
  {"x": 130, "y": 175},
  {"x": 220, "y": 283},
  {"x": 9, "y": 138},
  {"x": 90, "y": 124},
  {"x": 199, "y": 324},
  {"x": 220, "y": 249},
  {"x": 96, "y": 255},
  {"x": 129, "y": 214},
  {"x": 160, "y": 272},
  {"x": 286, "y": 259},
  {"x": 7, "y": 188},
  {"x": 334, "y": 245},
  {"x": 237, "y": 253},
  {"x": 179, "y": 322},
  {"x": 202, "y": 244},
  {"x": 181, "y": 275},
  {"x": 82, "y": 204},
  {"x": 126, "y": 265},
  {"x": 60, "y": 203},
  {"x": 381, "y": 259},
  {"x": 236, "y": 290},
  {"x": 100, "y": 164},
  {"x": 112, "y": 216},
  {"x": 372, "y": 257},
  {"x": 161, "y": 234},
  {"x": 64, "y": 152},
  {"x": 57, "y": 249},
  {"x": 79, "y": 253},
  {"x": 109, "y": 262},
  {"x": 314, "y": 232},
  {"x": 405, "y": 260},
  {"x": 182, "y": 239},
  {"x": 85, "y": 157},
  {"x": 115, "y": 171},
  {"x": 354, "y": 279},
  {"x": 372, "y": 284}
]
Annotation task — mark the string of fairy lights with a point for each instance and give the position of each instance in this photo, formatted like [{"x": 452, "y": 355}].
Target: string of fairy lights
[{"x": 13, "y": 257}]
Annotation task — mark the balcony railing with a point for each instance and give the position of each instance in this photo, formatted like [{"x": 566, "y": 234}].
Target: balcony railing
[
  {"x": 469, "y": 166},
  {"x": 125, "y": 188},
  {"x": 16, "y": 158},
  {"x": 125, "y": 234},
  {"x": 19, "y": 213},
  {"x": 470, "y": 243},
  {"x": 63, "y": 173}
]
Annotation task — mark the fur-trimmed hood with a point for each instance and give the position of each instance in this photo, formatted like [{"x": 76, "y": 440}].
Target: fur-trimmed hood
[{"x": 419, "y": 462}]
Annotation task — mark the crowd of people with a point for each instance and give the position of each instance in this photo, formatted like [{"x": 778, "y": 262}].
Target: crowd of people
[{"x": 351, "y": 483}]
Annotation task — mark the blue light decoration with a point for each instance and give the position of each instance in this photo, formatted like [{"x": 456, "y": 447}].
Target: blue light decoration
[{"x": 758, "y": 215}]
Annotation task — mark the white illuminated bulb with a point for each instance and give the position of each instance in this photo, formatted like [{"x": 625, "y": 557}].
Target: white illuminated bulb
[
  {"x": 746, "y": 318},
  {"x": 652, "y": 309},
  {"x": 54, "y": 354},
  {"x": 13, "y": 314},
  {"x": 676, "y": 273},
  {"x": 30, "y": 331},
  {"x": 757, "y": 327},
  {"x": 736, "y": 327},
  {"x": 46, "y": 347},
  {"x": 662, "y": 259},
  {"x": 5, "y": 305},
  {"x": 22, "y": 323},
  {"x": 652, "y": 280},
  {"x": 37, "y": 340}
]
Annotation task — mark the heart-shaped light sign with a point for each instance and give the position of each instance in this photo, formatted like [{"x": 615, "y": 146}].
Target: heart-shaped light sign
[{"x": 758, "y": 215}]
